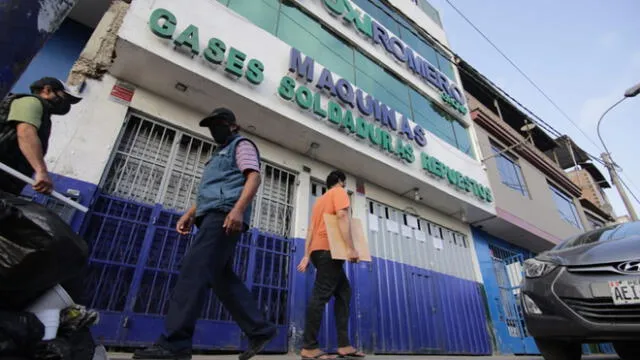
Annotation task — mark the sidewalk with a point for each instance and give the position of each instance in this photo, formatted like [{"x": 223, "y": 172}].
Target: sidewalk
[{"x": 121, "y": 356}]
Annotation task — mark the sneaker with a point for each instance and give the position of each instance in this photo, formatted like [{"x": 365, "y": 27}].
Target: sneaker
[
  {"x": 158, "y": 352},
  {"x": 256, "y": 345},
  {"x": 77, "y": 317}
]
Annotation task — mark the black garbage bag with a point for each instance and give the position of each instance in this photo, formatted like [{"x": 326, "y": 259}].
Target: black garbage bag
[
  {"x": 38, "y": 250},
  {"x": 68, "y": 345},
  {"x": 20, "y": 332}
]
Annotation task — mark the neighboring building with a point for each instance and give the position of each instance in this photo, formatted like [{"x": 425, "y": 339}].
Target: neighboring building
[
  {"x": 623, "y": 219},
  {"x": 135, "y": 152},
  {"x": 584, "y": 173},
  {"x": 532, "y": 192}
]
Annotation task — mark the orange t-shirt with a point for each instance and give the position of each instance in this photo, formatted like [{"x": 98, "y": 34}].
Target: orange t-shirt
[{"x": 331, "y": 202}]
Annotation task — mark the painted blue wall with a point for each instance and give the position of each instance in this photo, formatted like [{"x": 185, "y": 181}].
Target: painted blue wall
[
  {"x": 57, "y": 56},
  {"x": 505, "y": 344},
  {"x": 426, "y": 313}
]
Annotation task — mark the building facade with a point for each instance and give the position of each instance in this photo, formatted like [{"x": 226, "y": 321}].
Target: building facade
[
  {"x": 541, "y": 202},
  {"x": 365, "y": 86},
  {"x": 318, "y": 85}
]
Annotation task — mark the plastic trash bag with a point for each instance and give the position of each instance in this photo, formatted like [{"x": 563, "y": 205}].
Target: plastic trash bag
[
  {"x": 20, "y": 332},
  {"x": 37, "y": 251}
]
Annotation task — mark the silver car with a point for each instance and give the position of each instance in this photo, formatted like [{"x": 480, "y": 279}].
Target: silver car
[{"x": 586, "y": 290}]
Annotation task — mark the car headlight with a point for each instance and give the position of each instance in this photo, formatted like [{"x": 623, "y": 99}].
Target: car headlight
[{"x": 535, "y": 268}]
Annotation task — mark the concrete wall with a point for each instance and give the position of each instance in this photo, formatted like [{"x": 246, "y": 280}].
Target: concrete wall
[{"x": 538, "y": 208}]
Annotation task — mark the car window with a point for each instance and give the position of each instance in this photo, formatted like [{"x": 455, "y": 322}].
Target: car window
[
  {"x": 626, "y": 230},
  {"x": 602, "y": 234}
]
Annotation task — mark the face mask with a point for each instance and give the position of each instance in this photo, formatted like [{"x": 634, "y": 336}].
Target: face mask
[
  {"x": 220, "y": 133},
  {"x": 59, "y": 106}
]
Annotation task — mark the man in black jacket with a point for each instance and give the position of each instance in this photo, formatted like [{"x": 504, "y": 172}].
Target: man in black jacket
[{"x": 25, "y": 127}]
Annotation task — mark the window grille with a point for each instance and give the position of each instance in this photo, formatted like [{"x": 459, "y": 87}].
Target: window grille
[{"x": 158, "y": 164}]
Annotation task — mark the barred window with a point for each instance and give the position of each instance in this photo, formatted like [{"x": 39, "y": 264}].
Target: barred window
[{"x": 158, "y": 164}]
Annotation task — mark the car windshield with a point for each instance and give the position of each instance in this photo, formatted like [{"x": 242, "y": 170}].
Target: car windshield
[{"x": 613, "y": 232}]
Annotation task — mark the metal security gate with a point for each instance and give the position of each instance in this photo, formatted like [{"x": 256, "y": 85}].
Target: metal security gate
[
  {"x": 425, "y": 287},
  {"x": 508, "y": 270},
  {"x": 136, "y": 253}
]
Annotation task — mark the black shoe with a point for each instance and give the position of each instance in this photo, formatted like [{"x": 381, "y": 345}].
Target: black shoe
[
  {"x": 256, "y": 345},
  {"x": 157, "y": 352}
]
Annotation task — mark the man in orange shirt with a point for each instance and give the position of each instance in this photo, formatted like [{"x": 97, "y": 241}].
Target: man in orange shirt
[{"x": 331, "y": 279}]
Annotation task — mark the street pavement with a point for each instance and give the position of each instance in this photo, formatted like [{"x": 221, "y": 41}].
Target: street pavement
[{"x": 398, "y": 357}]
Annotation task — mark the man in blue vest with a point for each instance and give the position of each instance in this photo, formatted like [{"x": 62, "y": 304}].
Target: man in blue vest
[{"x": 229, "y": 183}]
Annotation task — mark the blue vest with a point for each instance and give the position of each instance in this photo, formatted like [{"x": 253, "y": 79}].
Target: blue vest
[{"x": 222, "y": 181}]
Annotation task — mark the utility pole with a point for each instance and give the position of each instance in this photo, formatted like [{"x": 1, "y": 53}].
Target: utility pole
[
  {"x": 606, "y": 156},
  {"x": 616, "y": 181},
  {"x": 25, "y": 25}
]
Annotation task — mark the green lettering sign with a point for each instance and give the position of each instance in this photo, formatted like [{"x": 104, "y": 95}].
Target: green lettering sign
[
  {"x": 454, "y": 177},
  {"x": 304, "y": 97},
  {"x": 189, "y": 38},
  {"x": 215, "y": 51},
  {"x": 287, "y": 88},
  {"x": 362, "y": 128},
  {"x": 308, "y": 99},
  {"x": 347, "y": 122},
  {"x": 317, "y": 106},
  {"x": 335, "y": 112},
  {"x": 163, "y": 23},
  {"x": 235, "y": 62},
  {"x": 255, "y": 71},
  {"x": 336, "y": 6}
]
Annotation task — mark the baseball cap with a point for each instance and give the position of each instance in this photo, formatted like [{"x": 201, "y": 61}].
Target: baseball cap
[
  {"x": 56, "y": 85},
  {"x": 218, "y": 114}
]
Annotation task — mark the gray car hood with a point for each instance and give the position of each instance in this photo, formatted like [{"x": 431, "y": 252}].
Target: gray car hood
[{"x": 611, "y": 251}]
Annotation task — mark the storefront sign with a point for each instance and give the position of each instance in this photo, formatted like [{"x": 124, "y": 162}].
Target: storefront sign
[
  {"x": 163, "y": 24},
  {"x": 451, "y": 93},
  {"x": 348, "y": 108},
  {"x": 341, "y": 109},
  {"x": 463, "y": 183}
]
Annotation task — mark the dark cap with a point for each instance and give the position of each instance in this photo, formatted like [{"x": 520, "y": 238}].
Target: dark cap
[
  {"x": 56, "y": 85},
  {"x": 218, "y": 114}
]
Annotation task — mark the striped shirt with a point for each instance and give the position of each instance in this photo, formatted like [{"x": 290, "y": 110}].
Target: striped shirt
[{"x": 247, "y": 156}]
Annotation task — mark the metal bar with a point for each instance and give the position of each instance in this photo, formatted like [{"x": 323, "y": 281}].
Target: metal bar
[
  {"x": 169, "y": 164},
  {"x": 131, "y": 121},
  {"x": 32, "y": 182},
  {"x": 142, "y": 260}
]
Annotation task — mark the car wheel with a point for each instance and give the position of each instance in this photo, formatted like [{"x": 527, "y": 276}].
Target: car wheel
[
  {"x": 627, "y": 350},
  {"x": 559, "y": 350}
]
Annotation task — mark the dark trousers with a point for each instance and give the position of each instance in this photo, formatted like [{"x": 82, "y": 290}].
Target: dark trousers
[
  {"x": 331, "y": 281},
  {"x": 209, "y": 264}
]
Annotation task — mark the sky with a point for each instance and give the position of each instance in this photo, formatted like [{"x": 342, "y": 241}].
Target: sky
[{"x": 582, "y": 54}]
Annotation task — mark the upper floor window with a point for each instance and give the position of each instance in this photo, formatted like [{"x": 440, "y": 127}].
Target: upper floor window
[
  {"x": 594, "y": 222},
  {"x": 566, "y": 207},
  {"x": 509, "y": 170}
]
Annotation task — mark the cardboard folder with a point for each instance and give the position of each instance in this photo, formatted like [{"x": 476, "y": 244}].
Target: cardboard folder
[{"x": 338, "y": 245}]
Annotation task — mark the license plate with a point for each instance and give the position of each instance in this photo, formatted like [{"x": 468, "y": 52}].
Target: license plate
[{"x": 625, "y": 292}]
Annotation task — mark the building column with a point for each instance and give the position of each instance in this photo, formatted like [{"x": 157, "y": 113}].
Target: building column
[{"x": 25, "y": 26}]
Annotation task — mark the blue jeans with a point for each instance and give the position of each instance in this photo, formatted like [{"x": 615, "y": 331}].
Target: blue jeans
[{"x": 209, "y": 264}]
